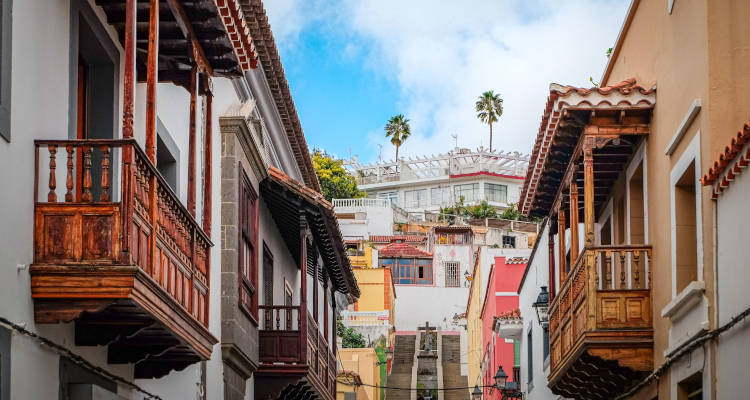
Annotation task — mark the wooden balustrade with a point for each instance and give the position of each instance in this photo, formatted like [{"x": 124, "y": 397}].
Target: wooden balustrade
[
  {"x": 281, "y": 334},
  {"x": 616, "y": 281},
  {"x": 142, "y": 224}
]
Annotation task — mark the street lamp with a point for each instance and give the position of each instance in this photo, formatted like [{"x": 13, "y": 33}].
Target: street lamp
[
  {"x": 500, "y": 378},
  {"x": 542, "y": 307},
  {"x": 476, "y": 394}
]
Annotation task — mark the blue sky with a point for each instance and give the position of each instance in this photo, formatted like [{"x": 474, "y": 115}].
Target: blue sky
[{"x": 353, "y": 64}]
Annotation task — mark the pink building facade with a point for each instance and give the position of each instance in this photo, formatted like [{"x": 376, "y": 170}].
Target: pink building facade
[{"x": 501, "y": 297}]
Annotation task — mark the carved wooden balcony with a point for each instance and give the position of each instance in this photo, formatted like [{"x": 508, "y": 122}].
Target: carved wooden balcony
[
  {"x": 117, "y": 253},
  {"x": 601, "y": 333},
  {"x": 296, "y": 359}
]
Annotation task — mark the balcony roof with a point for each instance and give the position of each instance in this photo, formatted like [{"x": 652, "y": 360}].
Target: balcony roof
[
  {"x": 288, "y": 199},
  {"x": 218, "y": 27},
  {"x": 414, "y": 239},
  {"x": 402, "y": 250},
  {"x": 568, "y": 112}
]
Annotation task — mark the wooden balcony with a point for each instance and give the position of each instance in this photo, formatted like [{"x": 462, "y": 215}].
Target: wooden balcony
[
  {"x": 296, "y": 359},
  {"x": 601, "y": 333},
  {"x": 117, "y": 253}
]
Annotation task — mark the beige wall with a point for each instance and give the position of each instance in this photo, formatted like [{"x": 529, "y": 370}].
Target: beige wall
[
  {"x": 364, "y": 363},
  {"x": 699, "y": 51}
]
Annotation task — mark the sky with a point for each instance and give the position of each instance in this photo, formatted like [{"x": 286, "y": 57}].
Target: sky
[{"x": 352, "y": 64}]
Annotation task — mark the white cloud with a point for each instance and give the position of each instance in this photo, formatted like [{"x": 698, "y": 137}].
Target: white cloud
[{"x": 444, "y": 54}]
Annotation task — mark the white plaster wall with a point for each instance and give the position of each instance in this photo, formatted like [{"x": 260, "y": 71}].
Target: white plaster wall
[
  {"x": 733, "y": 229},
  {"x": 536, "y": 277},
  {"x": 445, "y": 253},
  {"x": 416, "y": 304},
  {"x": 377, "y": 221}
]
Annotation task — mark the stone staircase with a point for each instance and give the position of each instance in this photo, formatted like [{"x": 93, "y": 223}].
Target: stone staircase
[
  {"x": 403, "y": 358},
  {"x": 452, "y": 378}
]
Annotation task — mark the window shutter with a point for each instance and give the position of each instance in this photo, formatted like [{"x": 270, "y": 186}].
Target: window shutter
[{"x": 247, "y": 249}]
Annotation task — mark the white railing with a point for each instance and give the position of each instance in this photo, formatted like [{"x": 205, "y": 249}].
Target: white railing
[
  {"x": 363, "y": 202},
  {"x": 366, "y": 318}
]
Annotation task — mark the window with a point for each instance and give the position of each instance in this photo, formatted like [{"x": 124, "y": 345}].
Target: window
[
  {"x": 248, "y": 238},
  {"x": 415, "y": 198},
  {"x": 410, "y": 271},
  {"x": 469, "y": 192},
  {"x": 267, "y": 276},
  {"x": 496, "y": 193},
  {"x": 509, "y": 242},
  {"x": 451, "y": 274},
  {"x": 530, "y": 355},
  {"x": 5, "y": 53},
  {"x": 685, "y": 228},
  {"x": 545, "y": 342},
  {"x": 440, "y": 196},
  {"x": 691, "y": 388},
  {"x": 167, "y": 155},
  {"x": 392, "y": 196}
]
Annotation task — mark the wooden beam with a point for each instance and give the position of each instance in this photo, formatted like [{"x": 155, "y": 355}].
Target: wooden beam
[
  {"x": 632, "y": 129},
  {"x": 561, "y": 245},
  {"x": 152, "y": 72},
  {"x": 207, "y": 164},
  {"x": 573, "y": 222},
  {"x": 302, "y": 317},
  {"x": 191, "y": 140},
  {"x": 187, "y": 29},
  {"x": 551, "y": 251},
  {"x": 128, "y": 99}
]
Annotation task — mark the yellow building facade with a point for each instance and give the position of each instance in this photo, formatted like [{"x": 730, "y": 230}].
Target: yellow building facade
[
  {"x": 474, "y": 324},
  {"x": 359, "y": 373}
]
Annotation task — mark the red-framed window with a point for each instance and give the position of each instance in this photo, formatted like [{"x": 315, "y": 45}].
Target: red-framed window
[{"x": 248, "y": 247}]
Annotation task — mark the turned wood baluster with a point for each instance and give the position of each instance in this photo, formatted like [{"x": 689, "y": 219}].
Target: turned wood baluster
[
  {"x": 278, "y": 319},
  {"x": 52, "y": 196},
  {"x": 622, "y": 268},
  {"x": 69, "y": 178},
  {"x": 607, "y": 270},
  {"x": 105, "y": 174},
  {"x": 86, "y": 196},
  {"x": 635, "y": 266}
]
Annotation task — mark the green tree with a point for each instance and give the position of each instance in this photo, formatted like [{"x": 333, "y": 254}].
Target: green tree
[
  {"x": 334, "y": 180},
  {"x": 482, "y": 210},
  {"x": 489, "y": 107},
  {"x": 398, "y": 130},
  {"x": 349, "y": 338},
  {"x": 512, "y": 213}
]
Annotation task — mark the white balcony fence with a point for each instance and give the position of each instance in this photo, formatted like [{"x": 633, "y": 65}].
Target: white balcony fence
[
  {"x": 366, "y": 318},
  {"x": 362, "y": 202}
]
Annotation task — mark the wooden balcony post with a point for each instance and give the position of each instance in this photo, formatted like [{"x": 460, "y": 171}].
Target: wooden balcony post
[
  {"x": 588, "y": 213},
  {"x": 334, "y": 334},
  {"x": 325, "y": 311},
  {"x": 126, "y": 201},
  {"x": 573, "y": 221},
  {"x": 302, "y": 317},
  {"x": 207, "y": 184},
  {"x": 551, "y": 251},
  {"x": 191, "y": 140},
  {"x": 152, "y": 70},
  {"x": 561, "y": 245},
  {"x": 316, "y": 278}
]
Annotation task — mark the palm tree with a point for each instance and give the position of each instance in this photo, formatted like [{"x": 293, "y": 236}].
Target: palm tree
[
  {"x": 398, "y": 130},
  {"x": 489, "y": 108}
]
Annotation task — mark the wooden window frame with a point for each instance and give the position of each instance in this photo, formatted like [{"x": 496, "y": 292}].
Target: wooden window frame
[{"x": 247, "y": 234}]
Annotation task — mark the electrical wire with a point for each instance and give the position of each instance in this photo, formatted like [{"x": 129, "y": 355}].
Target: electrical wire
[
  {"x": 410, "y": 389},
  {"x": 685, "y": 349},
  {"x": 76, "y": 358}
]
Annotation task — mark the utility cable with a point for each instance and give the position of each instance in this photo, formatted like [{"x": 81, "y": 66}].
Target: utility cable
[
  {"x": 410, "y": 389},
  {"x": 685, "y": 349},
  {"x": 76, "y": 358}
]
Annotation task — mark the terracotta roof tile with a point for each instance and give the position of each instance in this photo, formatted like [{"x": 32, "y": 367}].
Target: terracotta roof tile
[
  {"x": 402, "y": 250},
  {"x": 729, "y": 163},
  {"x": 516, "y": 260},
  {"x": 257, "y": 22}
]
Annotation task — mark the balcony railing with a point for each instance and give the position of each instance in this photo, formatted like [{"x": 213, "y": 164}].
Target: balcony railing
[
  {"x": 142, "y": 223},
  {"x": 606, "y": 291},
  {"x": 362, "y": 202},
  {"x": 288, "y": 344},
  {"x": 366, "y": 318}
]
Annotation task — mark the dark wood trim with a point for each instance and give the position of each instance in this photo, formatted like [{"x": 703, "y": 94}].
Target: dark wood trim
[
  {"x": 207, "y": 182},
  {"x": 152, "y": 77},
  {"x": 191, "y": 141},
  {"x": 187, "y": 29}
]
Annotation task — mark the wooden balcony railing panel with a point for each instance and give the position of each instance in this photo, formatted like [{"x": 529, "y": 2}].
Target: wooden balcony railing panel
[
  {"x": 281, "y": 335},
  {"x": 621, "y": 303}
]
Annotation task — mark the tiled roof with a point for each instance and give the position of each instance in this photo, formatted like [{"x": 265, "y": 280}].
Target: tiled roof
[
  {"x": 391, "y": 238},
  {"x": 402, "y": 250},
  {"x": 257, "y": 21},
  {"x": 626, "y": 93},
  {"x": 730, "y": 163},
  {"x": 516, "y": 260},
  {"x": 453, "y": 228}
]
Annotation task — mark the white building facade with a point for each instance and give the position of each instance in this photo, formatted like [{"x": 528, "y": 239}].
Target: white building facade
[{"x": 425, "y": 184}]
